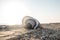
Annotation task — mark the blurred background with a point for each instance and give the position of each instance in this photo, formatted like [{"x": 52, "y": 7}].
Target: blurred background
[{"x": 13, "y": 11}]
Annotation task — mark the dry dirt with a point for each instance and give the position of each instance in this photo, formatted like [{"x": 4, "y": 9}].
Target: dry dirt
[{"x": 50, "y": 31}]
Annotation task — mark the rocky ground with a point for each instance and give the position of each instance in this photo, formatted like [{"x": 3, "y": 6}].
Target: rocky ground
[
  {"x": 43, "y": 34},
  {"x": 49, "y": 32}
]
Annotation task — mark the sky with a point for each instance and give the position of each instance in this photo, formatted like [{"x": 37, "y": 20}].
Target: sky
[{"x": 13, "y": 11}]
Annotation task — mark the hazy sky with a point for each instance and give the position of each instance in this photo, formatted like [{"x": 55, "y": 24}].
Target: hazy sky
[{"x": 12, "y": 11}]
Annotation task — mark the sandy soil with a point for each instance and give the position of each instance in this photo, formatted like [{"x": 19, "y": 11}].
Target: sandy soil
[{"x": 49, "y": 32}]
